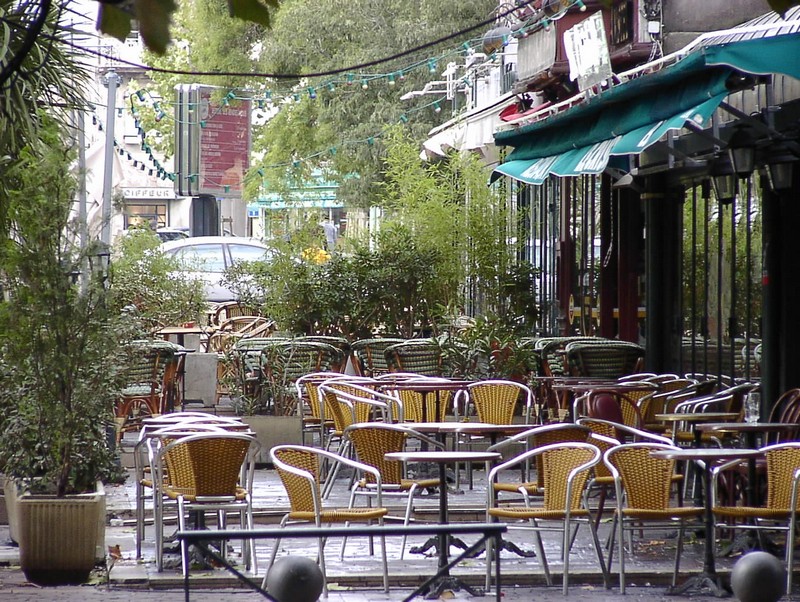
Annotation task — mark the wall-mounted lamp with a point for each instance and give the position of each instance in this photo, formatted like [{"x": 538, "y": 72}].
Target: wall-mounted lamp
[
  {"x": 742, "y": 151},
  {"x": 724, "y": 181},
  {"x": 780, "y": 169}
]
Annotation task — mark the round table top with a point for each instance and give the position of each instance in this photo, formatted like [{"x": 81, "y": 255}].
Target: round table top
[
  {"x": 696, "y": 416},
  {"x": 475, "y": 428},
  {"x": 706, "y": 454},
  {"x": 744, "y": 427},
  {"x": 443, "y": 457},
  {"x": 428, "y": 385}
]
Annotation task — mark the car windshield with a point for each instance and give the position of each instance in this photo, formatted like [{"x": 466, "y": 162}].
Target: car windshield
[{"x": 203, "y": 258}]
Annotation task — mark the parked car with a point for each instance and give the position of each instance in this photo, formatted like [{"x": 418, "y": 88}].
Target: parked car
[
  {"x": 167, "y": 234},
  {"x": 209, "y": 256}
]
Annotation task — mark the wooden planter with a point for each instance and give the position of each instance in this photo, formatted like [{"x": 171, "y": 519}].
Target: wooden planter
[
  {"x": 274, "y": 430},
  {"x": 60, "y": 539}
]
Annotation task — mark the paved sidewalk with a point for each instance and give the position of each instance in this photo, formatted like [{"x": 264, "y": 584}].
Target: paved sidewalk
[{"x": 354, "y": 578}]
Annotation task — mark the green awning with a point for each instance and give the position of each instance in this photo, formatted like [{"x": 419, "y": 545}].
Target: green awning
[{"x": 631, "y": 116}]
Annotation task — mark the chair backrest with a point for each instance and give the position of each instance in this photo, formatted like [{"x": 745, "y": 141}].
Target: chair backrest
[
  {"x": 423, "y": 356},
  {"x": 783, "y": 464},
  {"x": 495, "y": 401},
  {"x": 551, "y": 352},
  {"x": 232, "y": 309},
  {"x": 283, "y": 362},
  {"x": 341, "y": 344},
  {"x": 308, "y": 391},
  {"x": 621, "y": 432},
  {"x": 412, "y": 403},
  {"x": 646, "y": 480},
  {"x": 786, "y": 410},
  {"x": 370, "y": 355},
  {"x": 603, "y": 358},
  {"x": 207, "y": 464},
  {"x": 371, "y": 441},
  {"x": 613, "y": 405},
  {"x": 299, "y": 468}
]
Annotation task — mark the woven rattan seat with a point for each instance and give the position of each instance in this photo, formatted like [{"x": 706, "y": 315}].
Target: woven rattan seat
[
  {"x": 370, "y": 355},
  {"x": 205, "y": 471},
  {"x": 536, "y": 437},
  {"x": 603, "y": 358},
  {"x": 144, "y": 452},
  {"x": 148, "y": 382},
  {"x": 422, "y": 356},
  {"x": 371, "y": 442},
  {"x": 300, "y": 470},
  {"x": 779, "y": 512},
  {"x": 642, "y": 483},
  {"x": 567, "y": 467}
]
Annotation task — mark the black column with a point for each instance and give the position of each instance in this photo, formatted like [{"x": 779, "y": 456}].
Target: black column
[{"x": 662, "y": 274}]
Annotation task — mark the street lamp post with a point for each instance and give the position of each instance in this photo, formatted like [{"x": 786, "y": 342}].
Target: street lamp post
[{"x": 111, "y": 80}]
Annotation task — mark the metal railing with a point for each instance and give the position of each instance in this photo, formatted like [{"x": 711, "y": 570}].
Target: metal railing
[{"x": 486, "y": 530}]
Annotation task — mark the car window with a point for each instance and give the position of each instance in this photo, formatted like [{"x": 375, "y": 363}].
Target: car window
[
  {"x": 203, "y": 258},
  {"x": 246, "y": 252}
]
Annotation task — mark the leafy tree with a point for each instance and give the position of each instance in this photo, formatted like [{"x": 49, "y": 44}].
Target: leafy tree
[{"x": 38, "y": 69}]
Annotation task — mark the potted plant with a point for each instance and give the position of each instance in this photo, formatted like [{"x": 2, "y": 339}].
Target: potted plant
[{"x": 61, "y": 363}]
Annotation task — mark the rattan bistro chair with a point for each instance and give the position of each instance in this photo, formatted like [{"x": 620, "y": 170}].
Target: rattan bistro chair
[
  {"x": 299, "y": 468},
  {"x": 170, "y": 426},
  {"x": 567, "y": 468},
  {"x": 370, "y": 359},
  {"x": 206, "y": 471},
  {"x": 779, "y": 512},
  {"x": 642, "y": 484},
  {"x": 422, "y": 356},
  {"x": 371, "y": 441},
  {"x": 537, "y": 437}
]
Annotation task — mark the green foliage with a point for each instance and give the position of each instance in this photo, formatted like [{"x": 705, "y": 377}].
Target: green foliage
[
  {"x": 154, "y": 16},
  {"x": 58, "y": 338},
  {"x": 151, "y": 286},
  {"x": 486, "y": 347}
]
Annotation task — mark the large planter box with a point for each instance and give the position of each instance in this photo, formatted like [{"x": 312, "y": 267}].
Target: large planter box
[
  {"x": 60, "y": 539},
  {"x": 274, "y": 430}
]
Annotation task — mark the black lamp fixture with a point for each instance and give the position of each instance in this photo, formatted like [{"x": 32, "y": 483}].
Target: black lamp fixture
[
  {"x": 780, "y": 170},
  {"x": 724, "y": 181},
  {"x": 742, "y": 151}
]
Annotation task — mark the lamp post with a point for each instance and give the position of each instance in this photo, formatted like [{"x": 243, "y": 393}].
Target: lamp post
[{"x": 111, "y": 80}]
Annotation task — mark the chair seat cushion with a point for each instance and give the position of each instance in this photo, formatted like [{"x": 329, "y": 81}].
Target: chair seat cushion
[
  {"x": 524, "y": 512},
  {"x": 681, "y": 512},
  {"x": 751, "y": 512},
  {"x": 341, "y": 515}
]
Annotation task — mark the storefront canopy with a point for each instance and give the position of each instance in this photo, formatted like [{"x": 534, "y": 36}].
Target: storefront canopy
[{"x": 630, "y": 116}]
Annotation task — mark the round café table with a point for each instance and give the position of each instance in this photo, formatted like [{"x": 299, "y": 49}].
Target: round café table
[
  {"x": 708, "y": 581},
  {"x": 445, "y": 581}
]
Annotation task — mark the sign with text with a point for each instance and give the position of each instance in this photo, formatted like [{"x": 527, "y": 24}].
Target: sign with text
[
  {"x": 587, "y": 51},
  {"x": 212, "y": 141}
]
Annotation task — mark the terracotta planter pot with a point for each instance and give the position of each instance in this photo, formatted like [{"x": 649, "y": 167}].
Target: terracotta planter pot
[{"x": 60, "y": 539}]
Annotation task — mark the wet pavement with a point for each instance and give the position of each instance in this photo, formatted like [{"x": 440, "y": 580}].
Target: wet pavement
[{"x": 356, "y": 576}]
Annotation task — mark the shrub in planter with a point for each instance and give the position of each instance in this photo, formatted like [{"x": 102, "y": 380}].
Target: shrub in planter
[{"x": 59, "y": 341}]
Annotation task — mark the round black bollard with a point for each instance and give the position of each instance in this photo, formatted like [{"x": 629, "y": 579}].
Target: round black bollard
[
  {"x": 758, "y": 577},
  {"x": 294, "y": 579}
]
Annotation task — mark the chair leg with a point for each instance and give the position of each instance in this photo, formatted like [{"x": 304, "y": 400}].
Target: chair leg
[
  {"x": 678, "y": 551},
  {"x": 184, "y": 546},
  {"x": 596, "y": 542},
  {"x": 621, "y": 544},
  {"x": 565, "y": 547},
  {"x": 540, "y": 549}
]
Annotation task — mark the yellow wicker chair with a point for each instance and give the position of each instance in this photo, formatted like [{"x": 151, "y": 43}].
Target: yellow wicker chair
[
  {"x": 494, "y": 402},
  {"x": 315, "y": 420},
  {"x": 642, "y": 484},
  {"x": 567, "y": 467},
  {"x": 537, "y": 437},
  {"x": 206, "y": 471},
  {"x": 172, "y": 426},
  {"x": 779, "y": 512},
  {"x": 371, "y": 441},
  {"x": 299, "y": 468}
]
